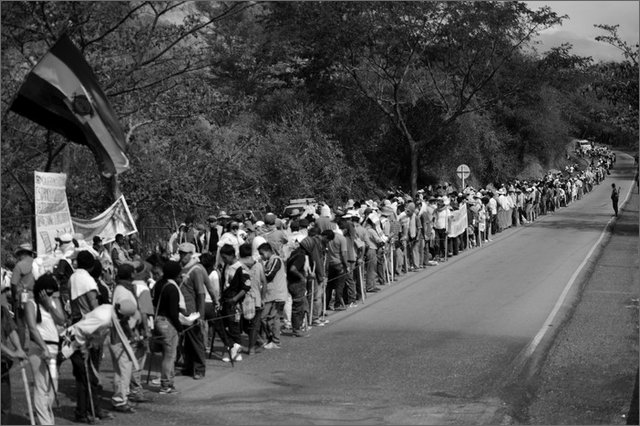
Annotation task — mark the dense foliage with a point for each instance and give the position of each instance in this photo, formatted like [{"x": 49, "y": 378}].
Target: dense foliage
[{"x": 233, "y": 105}]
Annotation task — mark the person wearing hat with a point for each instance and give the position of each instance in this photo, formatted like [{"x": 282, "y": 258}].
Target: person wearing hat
[
  {"x": 211, "y": 236},
  {"x": 22, "y": 282},
  {"x": 194, "y": 286},
  {"x": 84, "y": 299},
  {"x": 276, "y": 238},
  {"x": 103, "y": 255},
  {"x": 297, "y": 271},
  {"x": 232, "y": 237},
  {"x": 223, "y": 221},
  {"x": 127, "y": 380},
  {"x": 119, "y": 254}
]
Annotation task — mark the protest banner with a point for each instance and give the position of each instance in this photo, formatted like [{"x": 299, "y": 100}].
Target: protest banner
[
  {"x": 115, "y": 220},
  {"x": 52, "y": 210},
  {"x": 458, "y": 222}
]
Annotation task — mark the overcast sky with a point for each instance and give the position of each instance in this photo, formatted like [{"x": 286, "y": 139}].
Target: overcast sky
[{"x": 578, "y": 28}]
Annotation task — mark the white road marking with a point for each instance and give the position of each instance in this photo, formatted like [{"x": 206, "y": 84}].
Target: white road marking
[{"x": 530, "y": 349}]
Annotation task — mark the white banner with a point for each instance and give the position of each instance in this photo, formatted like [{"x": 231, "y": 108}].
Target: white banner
[
  {"x": 458, "y": 223},
  {"x": 52, "y": 210},
  {"x": 115, "y": 220}
]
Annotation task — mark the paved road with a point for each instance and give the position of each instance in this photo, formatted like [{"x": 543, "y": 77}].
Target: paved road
[{"x": 435, "y": 348}]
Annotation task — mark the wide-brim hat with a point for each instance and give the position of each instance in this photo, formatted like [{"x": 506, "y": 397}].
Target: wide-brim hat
[
  {"x": 24, "y": 248},
  {"x": 386, "y": 211},
  {"x": 223, "y": 215},
  {"x": 187, "y": 248},
  {"x": 65, "y": 238}
]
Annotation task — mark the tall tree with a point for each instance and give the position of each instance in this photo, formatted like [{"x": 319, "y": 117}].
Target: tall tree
[{"x": 401, "y": 55}]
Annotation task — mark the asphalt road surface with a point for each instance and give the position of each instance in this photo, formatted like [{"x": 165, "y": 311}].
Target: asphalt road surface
[{"x": 438, "y": 347}]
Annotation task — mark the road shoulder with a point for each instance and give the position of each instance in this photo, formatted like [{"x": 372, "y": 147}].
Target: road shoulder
[{"x": 588, "y": 374}]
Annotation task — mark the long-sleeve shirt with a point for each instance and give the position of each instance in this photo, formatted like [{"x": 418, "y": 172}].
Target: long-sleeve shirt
[
  {"x": 166, "y": 298},
  {"x": 276, "y": 288}
]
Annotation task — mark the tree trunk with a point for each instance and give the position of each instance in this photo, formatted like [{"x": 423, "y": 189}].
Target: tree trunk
[{"x": 413, "y": 148}]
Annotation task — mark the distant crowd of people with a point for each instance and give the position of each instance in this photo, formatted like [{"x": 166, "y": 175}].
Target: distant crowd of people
[{"x": 249, "y": 283}]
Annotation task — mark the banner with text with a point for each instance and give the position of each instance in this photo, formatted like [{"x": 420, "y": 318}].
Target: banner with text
[
  {"x": 458, "y": 223},
  {"x": 115, "y": 220},
  {"x": 52, "y": 210}
]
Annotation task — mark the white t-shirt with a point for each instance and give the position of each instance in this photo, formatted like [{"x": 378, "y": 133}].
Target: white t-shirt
[
  {"x": 81, "y": 282},
  {"x": 214, "y": 277}
]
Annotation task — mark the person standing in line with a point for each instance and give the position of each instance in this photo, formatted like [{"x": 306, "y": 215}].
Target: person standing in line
[
  {"x": 43, "y": 314},
  {"x": 168, "y": 301},
  {"x": 274, "y": 294},
  {"x": 9, "y": 338},
  {"x": 615, "y": 194},
  {"x": 195, "y": 281},
  {"x": 22, "y": 282}
]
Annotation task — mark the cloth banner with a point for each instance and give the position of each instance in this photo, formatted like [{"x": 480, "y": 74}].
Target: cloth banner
[
  {"x": 115, "y": 220},
  {"x": 52, "y": 210},
  {"x": 62, "y": 94},
  {"x": 458, "y": 223}
]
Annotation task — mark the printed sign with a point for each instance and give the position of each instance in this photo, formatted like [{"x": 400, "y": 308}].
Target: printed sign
[
  {"x": 458, "y": 223},
  {"x": 52, "y": 210}
]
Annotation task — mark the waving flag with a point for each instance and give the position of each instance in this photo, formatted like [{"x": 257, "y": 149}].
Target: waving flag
[{"x": 62, "y": 94}]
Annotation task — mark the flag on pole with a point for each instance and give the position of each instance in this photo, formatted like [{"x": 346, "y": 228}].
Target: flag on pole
[{"x": 62, "y": 94}]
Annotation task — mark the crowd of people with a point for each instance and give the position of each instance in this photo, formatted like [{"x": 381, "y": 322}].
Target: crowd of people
[{"x": 247, "y": 283}]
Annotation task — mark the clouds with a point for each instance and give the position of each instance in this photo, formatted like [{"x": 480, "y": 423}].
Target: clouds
[{"x": 578, "y": 29}]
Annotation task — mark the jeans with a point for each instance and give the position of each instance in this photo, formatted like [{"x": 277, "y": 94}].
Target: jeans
[
  {"x": 83, "y": 386},
  {"x": 233, "y": 327},
  {"x": 336, "y": 281},
  {"x": 169, "y": 350},
  {"x": 299, "y": 304},
  {"x": 272, "y": 320},
  {"x": 126, "y": 380},
  {"x": 441, "y": 235},
  {"x": 350, "y": 293},
  {"x": 253, "y": 329},
  {"x": 43, "y": 388}
]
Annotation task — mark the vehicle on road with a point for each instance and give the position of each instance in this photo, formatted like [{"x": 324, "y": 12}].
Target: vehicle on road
[{"x": 300, "y": 204}]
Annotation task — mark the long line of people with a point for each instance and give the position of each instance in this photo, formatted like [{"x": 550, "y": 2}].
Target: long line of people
[{"x": 250, "y": 284}]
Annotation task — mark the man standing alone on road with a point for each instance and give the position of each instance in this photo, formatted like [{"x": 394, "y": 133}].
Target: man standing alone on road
[{"x": 615, "y": 193}]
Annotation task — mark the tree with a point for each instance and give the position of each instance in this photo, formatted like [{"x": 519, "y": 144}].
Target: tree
[{"x": 438, "y": 56}]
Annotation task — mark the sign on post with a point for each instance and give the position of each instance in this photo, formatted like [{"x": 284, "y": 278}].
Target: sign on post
[{"x": 463, "y": 172}]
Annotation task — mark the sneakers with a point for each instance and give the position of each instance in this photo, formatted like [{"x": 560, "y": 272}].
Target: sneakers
[
  {"x": 300, "y": 333},
  {"x": 432, "y": 263},
  {"x": 155, "y": 382},
  {"x": 271, "y": 345},
  {"x": 353, "y": 305},
  {"x": 235, "y": 353},
  {"x": 198, "y": 376},
  {"x": 340, "y": 308},
  {"x": 168, "y": 390},
  {"x": 124, "y": 408},
  {"x": 319, "y": 322}
]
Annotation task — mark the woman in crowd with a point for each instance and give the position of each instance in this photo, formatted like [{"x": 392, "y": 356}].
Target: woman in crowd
[{"x": 43, "y": 314}]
